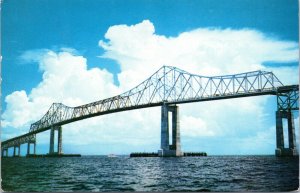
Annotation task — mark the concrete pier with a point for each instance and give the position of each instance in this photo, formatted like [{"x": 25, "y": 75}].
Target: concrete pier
[
  {"x": 51, "y": 147},
  {"x": 28, "y": 148},
  {"x": 164, "y": 128},
  {"x": 281, "y": 150},
  {"x": 34, "y": 147},
  {"x": 174, "y": 149},
  {"x": 15, "y": 153},
  {"x": 59, "y": 140},
  {"x": 279, "y": 131},
  {"x": 291, "y": 130},
  {"x": 5, "y": 152}
]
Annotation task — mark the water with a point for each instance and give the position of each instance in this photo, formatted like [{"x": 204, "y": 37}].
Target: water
[{"x": 101, "y": 173}]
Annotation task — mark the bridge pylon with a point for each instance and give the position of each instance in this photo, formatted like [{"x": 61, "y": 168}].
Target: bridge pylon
[
  {"x": 167, "y": 150},
  {"x": 17, "y": 153},
  {"x": 281, "y": 150},
  {"x": 34, "y": 147},
  {"x": 59, "y": 140},
  {"x": 5, "y": 152},
  {"x": 287, "y": 101}
]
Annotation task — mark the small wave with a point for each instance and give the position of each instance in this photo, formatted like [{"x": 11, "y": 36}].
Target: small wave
[
  {"x": 189, "y": 190},
  {"x": 239, "y": 180},
  {"x": 154, "y": 185},
  {"x": 203, "y": 190},
  {"x": 129, "y": 189},
  {"x": 80, "y": 186},
  {"x": 186, "y": 175}
]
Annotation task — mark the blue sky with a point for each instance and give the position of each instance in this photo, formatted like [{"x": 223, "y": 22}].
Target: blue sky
[
  {"x": 33, "y": 24},
  {"x": 30, "y": 28}
]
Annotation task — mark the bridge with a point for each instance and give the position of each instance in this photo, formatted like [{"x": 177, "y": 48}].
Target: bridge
[{"x": 168, "y": 87}]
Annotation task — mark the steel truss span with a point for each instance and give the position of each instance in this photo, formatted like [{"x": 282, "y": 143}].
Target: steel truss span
[{"x": 170, "y": 85}]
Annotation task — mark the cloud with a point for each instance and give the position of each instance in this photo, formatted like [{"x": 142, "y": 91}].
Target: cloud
[
  {"x": 32, "y": 56},
  {"x": 17, "y": 100},
  {"x": 193, "y": 126},
  {"x": 66, "y": 79},
  {"x": 140, "y": 52},
  {"x": 205, "y": 51}
]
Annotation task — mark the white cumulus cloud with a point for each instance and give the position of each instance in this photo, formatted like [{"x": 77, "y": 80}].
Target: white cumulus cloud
[
  {"x": 205, "y": 51},
  {"x": 66, "y": 79}
]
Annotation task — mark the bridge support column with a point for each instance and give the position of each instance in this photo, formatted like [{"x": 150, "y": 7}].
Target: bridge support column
[
  {"x": 15, "y": 154},
  {"x": 164, "y": 128},
  {"x": 281, "y": 150},
  {"x": 174, "y": 149},
  {"x": 34, "y": 147},
  {"x": 59, "y": 140},
  {"x": 279, "y": 131},
  {"x": 59, "y": 143},
  {"x": 4, "y": 152},
  {"x": 51, "y": 150},
  {"x": 291, "y": 131},
  {"x": 28, "y": 148}
]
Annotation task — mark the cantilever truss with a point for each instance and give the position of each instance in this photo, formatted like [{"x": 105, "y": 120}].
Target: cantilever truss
[
  {"x": 167, "y": 85},
  {"x": 25, "y": 139}
]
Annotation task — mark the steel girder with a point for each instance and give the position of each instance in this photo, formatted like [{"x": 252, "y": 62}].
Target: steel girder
[
  {"x": 288, "y": 98},
  {"x": 167, "y": 85},
  {"x": 17, "y": 142}
]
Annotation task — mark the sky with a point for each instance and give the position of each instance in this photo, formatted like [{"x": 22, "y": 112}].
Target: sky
[{"x": 79, "y": 51}]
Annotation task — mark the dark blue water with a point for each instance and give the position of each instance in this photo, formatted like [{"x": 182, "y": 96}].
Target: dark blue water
[{"x": 101, "y": 173}]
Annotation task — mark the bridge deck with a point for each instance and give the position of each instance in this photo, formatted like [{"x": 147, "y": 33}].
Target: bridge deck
[
  {"x": 168, "y": 85},
  {"x": 270, "y": 92}
]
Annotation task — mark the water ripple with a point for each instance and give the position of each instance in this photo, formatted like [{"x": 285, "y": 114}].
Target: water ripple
[{"x": 100, "y": 173}]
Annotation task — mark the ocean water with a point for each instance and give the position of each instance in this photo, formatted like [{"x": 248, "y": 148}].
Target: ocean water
[{"x": 102, "y": 173}]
